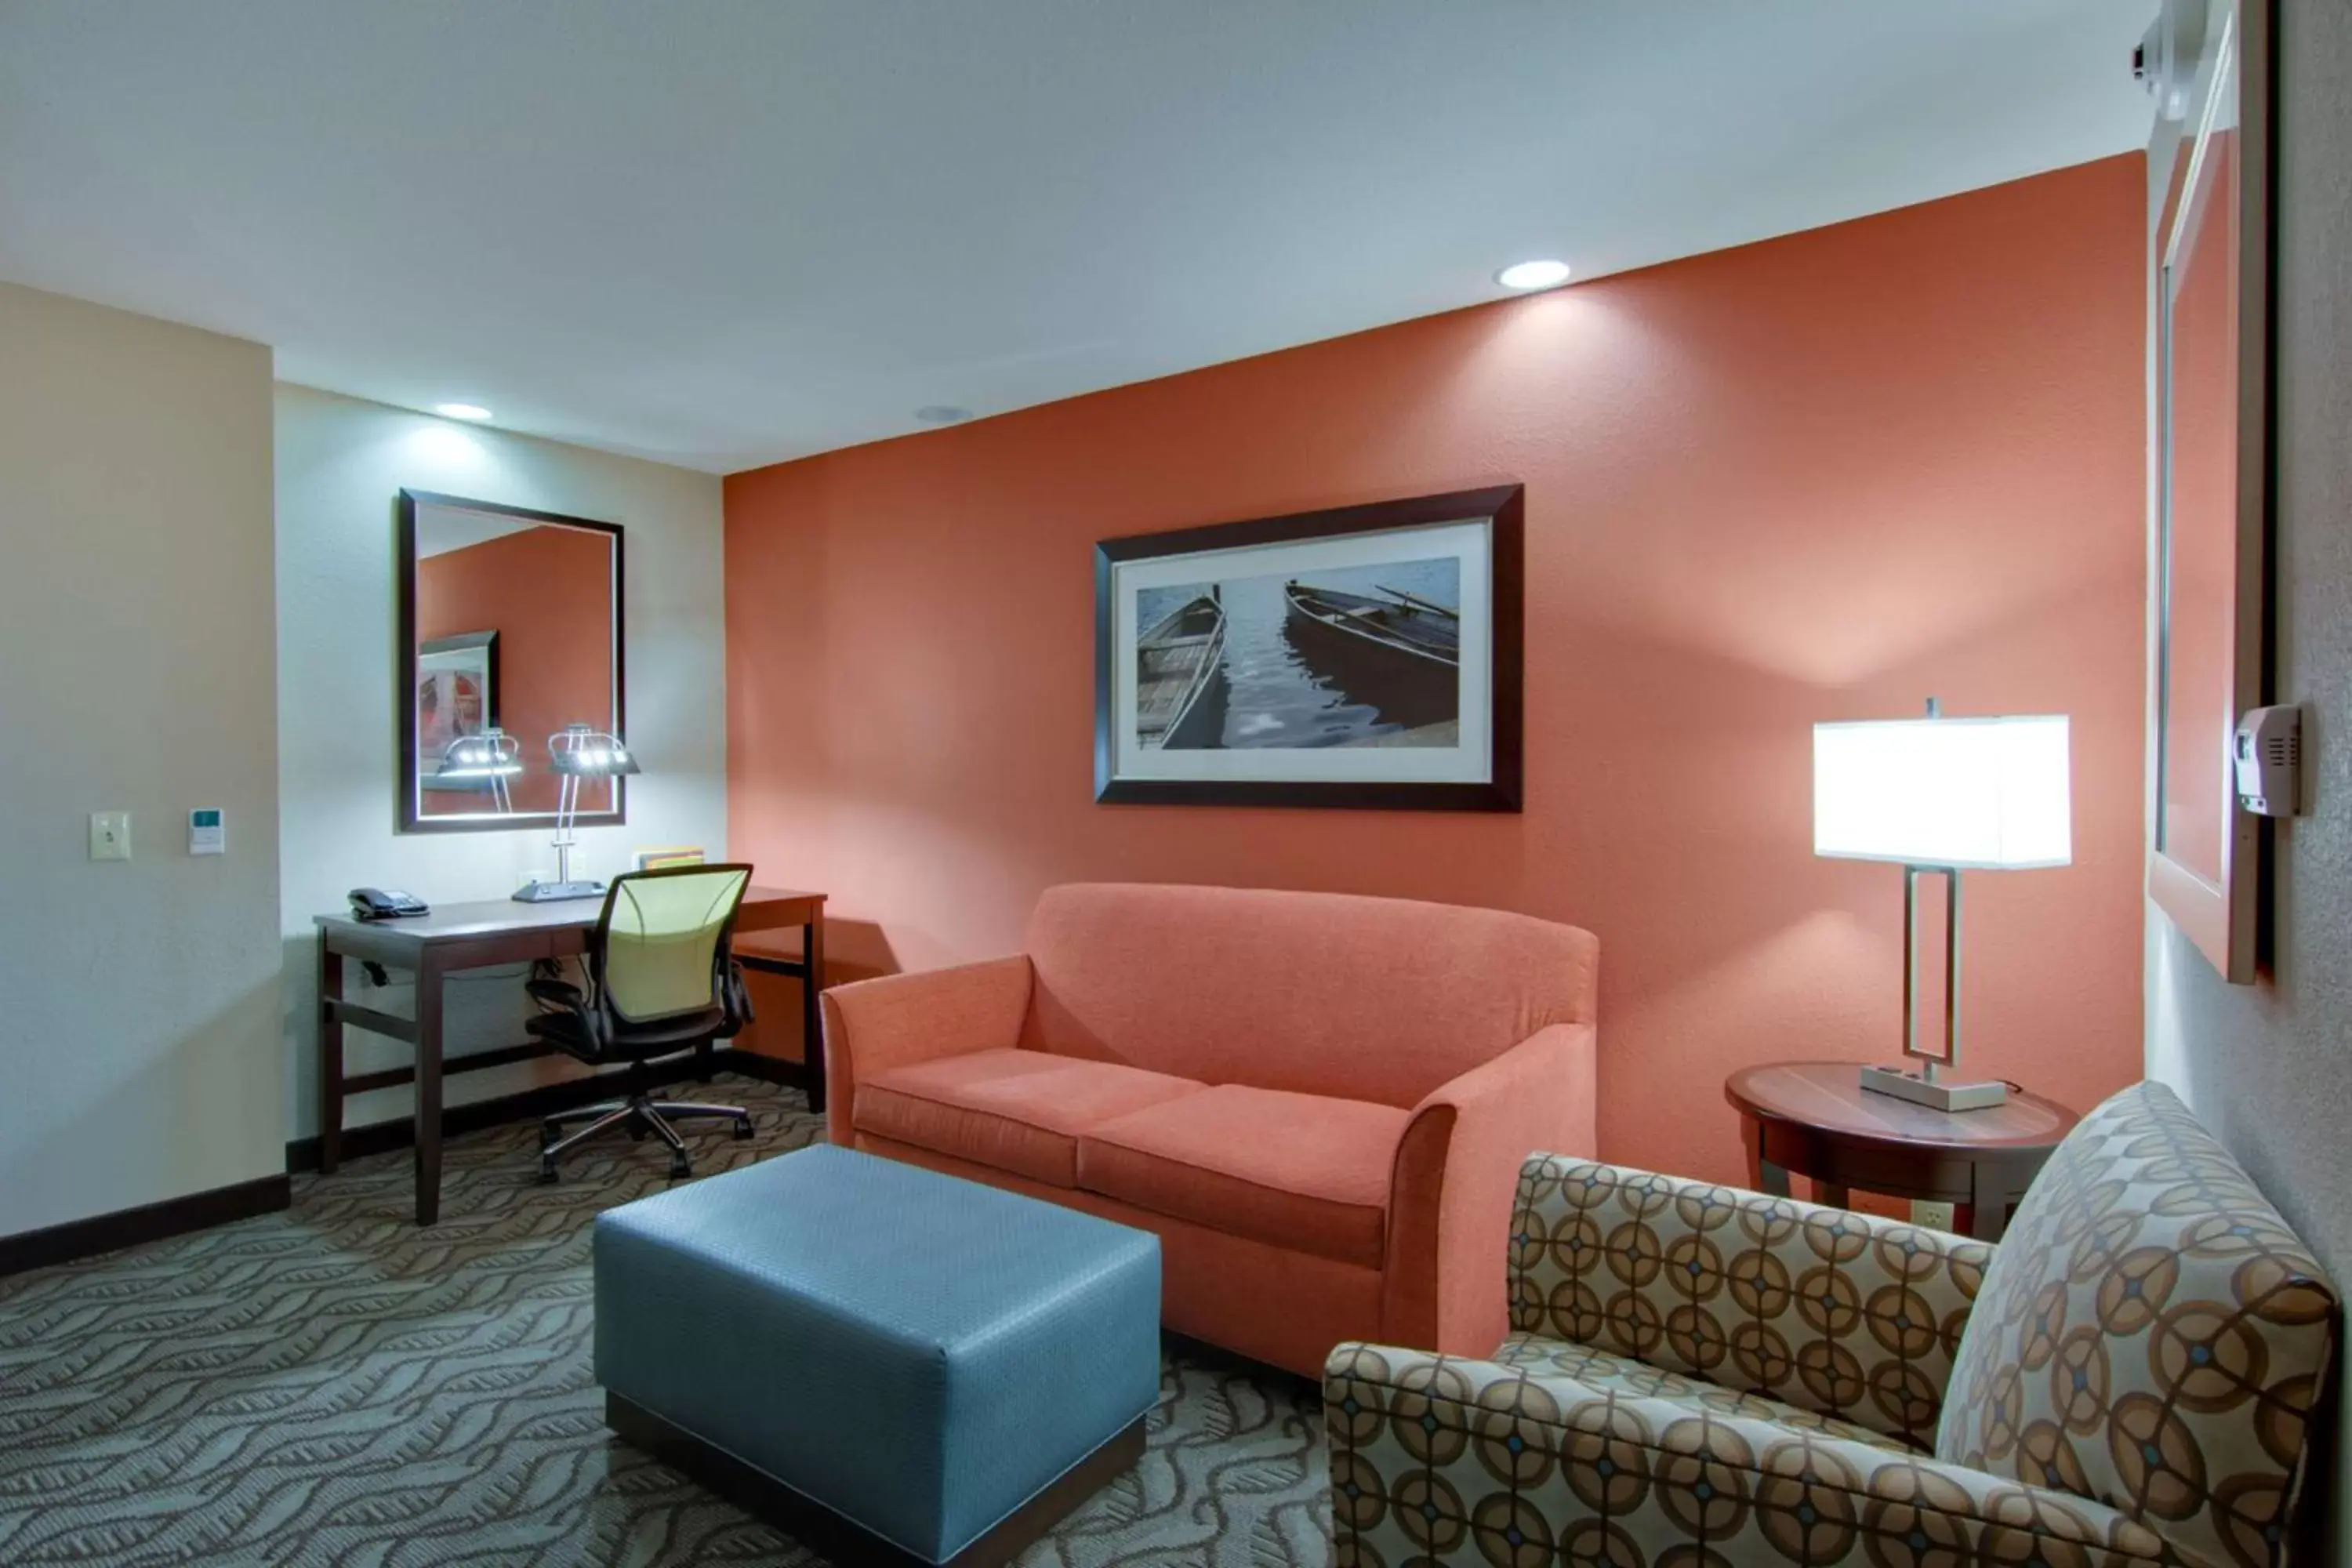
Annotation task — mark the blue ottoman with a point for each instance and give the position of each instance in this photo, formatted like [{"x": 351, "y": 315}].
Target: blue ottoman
[{"x": 895, "y": 1364}]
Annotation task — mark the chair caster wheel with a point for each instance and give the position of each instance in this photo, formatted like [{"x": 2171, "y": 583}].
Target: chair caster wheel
[
  {"x": 547, "y": 1177},
  {"x": 743, "y": 1130},
  {"x": 679, "y": 1170}
]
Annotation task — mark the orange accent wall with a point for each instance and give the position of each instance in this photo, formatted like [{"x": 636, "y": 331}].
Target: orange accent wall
[
  {"x": 1821, "y": 477},
  {"x": 546, "y": 592}
]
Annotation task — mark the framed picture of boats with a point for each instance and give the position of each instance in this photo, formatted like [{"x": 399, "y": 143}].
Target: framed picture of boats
[{"x": 1362, "y": 657}]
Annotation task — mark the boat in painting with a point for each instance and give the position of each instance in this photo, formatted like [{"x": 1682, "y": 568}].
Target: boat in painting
[
  {"x": 1178, "y": 677},
  {"x": 1410, "y": 632}
]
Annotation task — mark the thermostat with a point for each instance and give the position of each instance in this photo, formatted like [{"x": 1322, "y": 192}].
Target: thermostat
[
  {"x": 207, "y": 833},
  {"x": 2269, "y": 760}
]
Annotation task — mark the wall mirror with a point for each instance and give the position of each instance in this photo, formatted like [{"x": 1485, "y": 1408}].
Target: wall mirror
[
  {"x": 2210, "y": 177},
  {"x": 510, "y": 631}
]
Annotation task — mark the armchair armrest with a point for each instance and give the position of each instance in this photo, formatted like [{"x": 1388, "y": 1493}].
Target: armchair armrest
[
  {"x": 1443, "y": 1459},
  {"x": 1449, "y": 1189},
  {"x": 874, "y": 1024},
  {"x": 1830, "y": 1311}
]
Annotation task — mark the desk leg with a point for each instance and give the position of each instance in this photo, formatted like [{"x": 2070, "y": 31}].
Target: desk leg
[
  {"x": 813, "y": 1012},
  {"x": 330, "y": 1058},
  {"x": 429, "y": 1091}
]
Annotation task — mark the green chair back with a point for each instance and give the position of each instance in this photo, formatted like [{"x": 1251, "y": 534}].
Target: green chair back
[{"x": 662, "y": 935}]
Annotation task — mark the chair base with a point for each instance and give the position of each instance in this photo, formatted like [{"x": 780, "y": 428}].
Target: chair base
[{"x": 639, "y": 1114}]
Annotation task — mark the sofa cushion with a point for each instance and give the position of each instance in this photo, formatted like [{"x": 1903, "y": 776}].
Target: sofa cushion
[
  {"x": 1610, "y": 1373},
  {"x": 1299, "y": 1171},
  {"x": 2150, "y": 1333},
  {"x": 1377, "y": 999},
  {"x": 1016, "y": 1111}
]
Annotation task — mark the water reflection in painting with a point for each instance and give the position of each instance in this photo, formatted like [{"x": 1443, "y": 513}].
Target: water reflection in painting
[{"x": 1356, "y": 655}]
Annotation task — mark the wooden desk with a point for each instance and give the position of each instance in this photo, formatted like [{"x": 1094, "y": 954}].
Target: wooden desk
[
  {"x": 1816, "y": 1119},
  {"x": 470, "y": 936}
]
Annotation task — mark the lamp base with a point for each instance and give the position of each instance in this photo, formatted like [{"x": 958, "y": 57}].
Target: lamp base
[
  {"x": 1937, "y": 1095},
  {"x": 555, "y": 892}
]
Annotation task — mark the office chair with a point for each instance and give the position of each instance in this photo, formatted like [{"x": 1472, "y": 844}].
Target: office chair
[{"x": 661, "y": 980}]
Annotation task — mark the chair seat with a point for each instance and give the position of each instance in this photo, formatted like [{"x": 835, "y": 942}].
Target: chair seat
[
  {"x": 1015, "y": 1110},
  {"x": 1299, "y": 1171},
  {"x": 1601, "y": 1370},
  {"x": 569, "y": 1033}
]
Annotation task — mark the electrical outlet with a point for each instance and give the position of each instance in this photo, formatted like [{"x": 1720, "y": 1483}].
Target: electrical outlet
[
  {"x": 110, "y": 836},
  {"x": 1934, "y": 1216}
]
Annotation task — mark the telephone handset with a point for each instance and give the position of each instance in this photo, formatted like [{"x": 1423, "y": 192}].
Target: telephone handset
[{"x": 379, "y": 904}]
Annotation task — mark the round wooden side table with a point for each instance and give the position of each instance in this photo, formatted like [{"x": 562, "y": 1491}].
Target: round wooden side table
[{"x": 1816, "y": 1120}]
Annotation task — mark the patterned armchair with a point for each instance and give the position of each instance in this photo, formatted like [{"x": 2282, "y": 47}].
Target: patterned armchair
[{"x": 1700, "y": 1375}]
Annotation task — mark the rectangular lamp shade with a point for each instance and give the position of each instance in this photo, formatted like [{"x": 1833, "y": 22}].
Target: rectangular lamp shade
[{"x": 1972, "y": 794}]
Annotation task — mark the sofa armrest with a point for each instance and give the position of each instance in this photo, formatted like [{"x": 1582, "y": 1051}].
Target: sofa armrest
[
  {"x": 1443, "y": 1459},
  {"x": 871, "y": 1026},
  {"x": 1829, "y": 1311},
  {"x": 1450, "y": 1188}
]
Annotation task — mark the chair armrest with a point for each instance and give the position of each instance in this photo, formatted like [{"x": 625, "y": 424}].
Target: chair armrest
[
  {"x": 1440, "y": 1458},
  {"x": 1449, "y": 1189},
  {"x": 871, "y": 1026},
  {"x": 1829, "y": 1311}
]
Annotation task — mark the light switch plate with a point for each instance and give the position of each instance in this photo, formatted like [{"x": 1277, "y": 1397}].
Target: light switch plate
[{"x": 110, "y": 836}]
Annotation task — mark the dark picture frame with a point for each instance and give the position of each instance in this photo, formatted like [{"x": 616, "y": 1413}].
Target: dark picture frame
[
  {"x": 1501, "y": 508},
  {"x": 409, "y": 817}
]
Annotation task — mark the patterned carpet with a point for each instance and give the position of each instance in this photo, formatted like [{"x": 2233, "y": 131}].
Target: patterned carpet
[{"x": 334, "y": 1386}]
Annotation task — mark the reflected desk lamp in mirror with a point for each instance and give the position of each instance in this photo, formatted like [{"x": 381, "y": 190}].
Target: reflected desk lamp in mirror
[
  {"x": 575, "y": 752},
  {"x": 1941, "y": 795},
  {"x": 483, "y": 761}
]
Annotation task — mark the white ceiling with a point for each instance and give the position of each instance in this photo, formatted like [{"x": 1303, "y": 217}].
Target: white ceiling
[{"x": 725, "y": 232}]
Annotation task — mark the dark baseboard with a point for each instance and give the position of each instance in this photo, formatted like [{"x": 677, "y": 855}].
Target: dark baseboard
[
  {"x": 150, "y": 1222},
  {"x": 525, "y": 1105}
]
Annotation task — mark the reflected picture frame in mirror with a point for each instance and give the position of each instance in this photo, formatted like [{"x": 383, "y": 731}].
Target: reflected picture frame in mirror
[
  {"x": 477, "y": 662},
  {"x": 2209, "y": 356}
]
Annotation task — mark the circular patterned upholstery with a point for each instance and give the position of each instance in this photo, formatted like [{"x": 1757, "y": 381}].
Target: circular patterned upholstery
[
  {"x": 1699, "y": 1376},
  {"x": 2150, "y": 1334},
  {"x": 1830, "y": 1311}
]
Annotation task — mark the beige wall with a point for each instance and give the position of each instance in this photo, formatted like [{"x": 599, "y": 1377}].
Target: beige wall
[
  {"x": 2269, "y": 1066},
  {"x": 342, "y": 462},
  {"x": 138, "y": 1002}
]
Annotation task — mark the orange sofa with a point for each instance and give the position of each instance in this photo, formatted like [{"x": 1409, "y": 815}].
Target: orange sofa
[{"x": 1318, "y": 1102}]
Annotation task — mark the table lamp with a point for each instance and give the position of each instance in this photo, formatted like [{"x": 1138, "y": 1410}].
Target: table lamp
[
  {"x": 574, "y": 753},
  {"x": 1941, "y": 795},
  {"x": 482, "y": 762}
]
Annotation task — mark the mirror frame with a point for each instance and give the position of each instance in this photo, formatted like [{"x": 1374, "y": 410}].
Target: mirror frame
[
  {"x": 2220, "y": 919},
  {"x": 411, "y": 820}
]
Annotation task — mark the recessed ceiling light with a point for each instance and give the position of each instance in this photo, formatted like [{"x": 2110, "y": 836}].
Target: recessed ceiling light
[
  {"x": 942, "y": 414},
  {"x": 461, "y": 411},
  {"x": 1533, "y": 275}
]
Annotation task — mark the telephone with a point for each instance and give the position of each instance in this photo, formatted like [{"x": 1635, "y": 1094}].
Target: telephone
[{"x": 377, "y": 904}]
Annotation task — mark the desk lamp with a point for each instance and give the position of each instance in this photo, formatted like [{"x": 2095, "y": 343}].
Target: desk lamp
[
  {"x": 483, "y": 761},
  {"x": 1941, "y": 795},
  {"x": 574, "y": 753}
]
